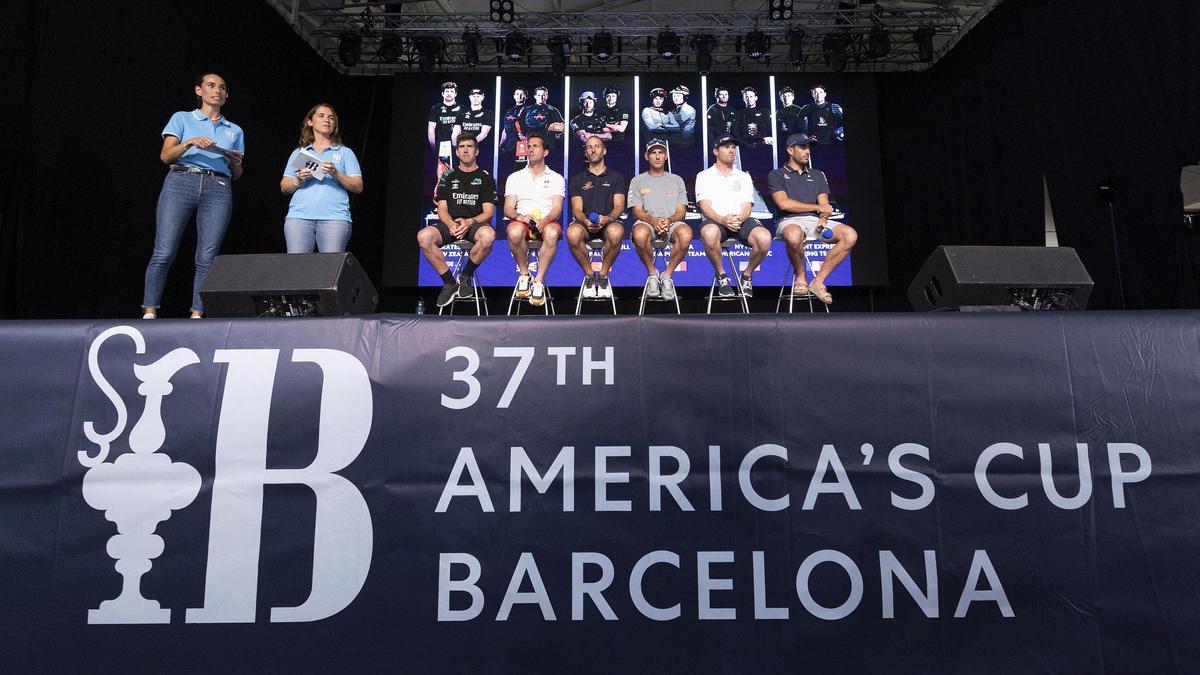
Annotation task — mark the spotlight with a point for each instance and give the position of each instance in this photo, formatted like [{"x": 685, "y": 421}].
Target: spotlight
[
  {"x": 668, "y": 44},
  {"x": 704, "y": 46},
  {"x": 389, "y": 49},
  {"x": 881, "y": 42},
  {"x": 757, "y": 45},
  {"x": 501, "y": 11},
  {"x": 428, "y": 51},
  {"x": 560, "y": 51},
  {"x": 924, "y": 39},
  {"x": 602, "y": 46},
  {"x": 349, "y": 49},
  {"x": 780, "y": 10},
  {"x": 515, "y": 46},
  {"x": 833, "y": 48},
  {"x": 796, "y": 46},
  {"x": 471, "y": 47}
]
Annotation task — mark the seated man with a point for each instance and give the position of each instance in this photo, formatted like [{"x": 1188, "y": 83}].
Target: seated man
[
  {"x": 466, "y": 202},
  {"x": 597, "y": 202},
  {"x": 725, "y": 195},
  {"x": 802, "y": 196},
  {"x": 533, "y": 200},
  {"x": 658, "y": 200}
]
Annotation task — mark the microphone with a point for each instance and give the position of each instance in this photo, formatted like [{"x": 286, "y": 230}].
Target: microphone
[{"x": 594, "y": 217}]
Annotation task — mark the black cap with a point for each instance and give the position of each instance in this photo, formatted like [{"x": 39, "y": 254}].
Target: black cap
[
  {"x": 474, "y": 91},
  {"x": 723, "y": 139},
  {"x": 656, "y": 143},
  {"x": 800, "y": 139}
]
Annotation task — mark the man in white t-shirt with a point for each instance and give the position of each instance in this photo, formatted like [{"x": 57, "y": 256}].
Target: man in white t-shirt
[
  {"x": 533, "y": 201},
  {"x": 725, "y": 195}
]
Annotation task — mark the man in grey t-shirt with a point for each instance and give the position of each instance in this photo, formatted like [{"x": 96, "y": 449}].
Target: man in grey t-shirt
[{"x": 658, "y": 201}]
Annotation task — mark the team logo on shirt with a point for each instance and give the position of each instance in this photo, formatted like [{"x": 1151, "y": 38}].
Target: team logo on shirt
[
  {"x": 587, "y": 185},
  {"x": 477, "y": 181}
]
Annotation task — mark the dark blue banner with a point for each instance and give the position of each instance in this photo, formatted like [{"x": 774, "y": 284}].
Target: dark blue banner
[{"x": 910, "y": 493}]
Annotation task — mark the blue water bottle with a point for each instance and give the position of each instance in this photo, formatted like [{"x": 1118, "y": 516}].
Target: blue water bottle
[{"x": 420, "y": 306}]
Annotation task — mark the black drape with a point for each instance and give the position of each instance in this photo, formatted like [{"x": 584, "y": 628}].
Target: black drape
[{"x": 1076, "y": 91}]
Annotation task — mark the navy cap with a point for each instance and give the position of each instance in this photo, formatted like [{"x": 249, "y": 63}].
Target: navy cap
[
  {"x": 723, "y": 139},
  {"x": 800, "y": 139},
  {"x": 656, "y": 143}
]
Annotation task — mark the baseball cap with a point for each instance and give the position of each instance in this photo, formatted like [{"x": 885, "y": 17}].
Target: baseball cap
[
  {"x": 474, "y": 91},
  {"x": 723, "y": 139},
  {"x": 800, "y": 139},
  {"x": 587, "y": 94},
  {"x": 681, "y": 89},
  {"x": 656, "y": 143},
  {"x": 658, "y": 91}
]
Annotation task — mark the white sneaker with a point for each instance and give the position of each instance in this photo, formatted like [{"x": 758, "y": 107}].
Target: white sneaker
[
  {"x": 668, "y": 288},
  {"x": 523, "y": 283},
  {"x": 537, "y": 295},
  {"x": 653, "y": 286}
]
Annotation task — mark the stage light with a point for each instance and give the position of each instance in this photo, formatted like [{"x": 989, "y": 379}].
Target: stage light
[
  {"x": 560, "y": 51},
  {"x": 881, "y": 42},
  {"x": 923, "y": 37},
  {"x": 390, "y": 48},
  {"x": 501, "y": 11},
  {"x": 602, "y": 46},
  {"x": 779, "y": 10},
  {"x": 349, "y": 49},
  {"x": 668, "y": 44},
  {"x": 471, "y": 47},
  {"x": 833, "y": 48},
  {"x": 796, "y": 46},
  {"x": 757, "y": 45},
  {"x": 428, "y": 51},
  {"x": 704, "y": 46},
  {"x": 515, "y": 46}
]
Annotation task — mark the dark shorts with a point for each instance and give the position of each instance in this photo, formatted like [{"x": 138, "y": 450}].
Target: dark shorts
[
  {"x": 599, "y": 234},
  {"x": 743, "y": 233},
  {"x": 448, "y": 238}
]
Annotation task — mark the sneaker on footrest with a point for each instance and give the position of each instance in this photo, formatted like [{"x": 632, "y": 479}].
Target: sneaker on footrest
[
  {"x": 537, "y": 295},
  {"x": 589, "y": 286},
  {"x": 668, "y": 288},
  {"x": 653, "y": 286},
  {"x": 603, "y": 288},
  {"x": 523, "y": 285},
  {"x": 446, "y": 295},
  {"x": 466, "y": 289},
  {"x": 725, "y": 288},
  {"x": 747, "y": 287}
]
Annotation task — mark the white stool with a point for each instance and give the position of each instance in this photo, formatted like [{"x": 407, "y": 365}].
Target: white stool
[
  {"x": 514, "y": 301},
  {"x": 727, "y": 259},
  {"x": 786, "y": 289},
  {"x": 662, "y": 250},
  {"x": 596, "y": 251},
  {"x": 477, "y": 296}
]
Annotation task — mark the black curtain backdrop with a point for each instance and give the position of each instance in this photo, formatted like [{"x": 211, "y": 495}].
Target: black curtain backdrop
[
  {"x": 99, "y": 82},
  {"x": 1075, "y": 91}
]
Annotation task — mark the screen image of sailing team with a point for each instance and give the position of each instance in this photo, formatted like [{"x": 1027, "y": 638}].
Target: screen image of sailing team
[{"x": 683, "y": 114}]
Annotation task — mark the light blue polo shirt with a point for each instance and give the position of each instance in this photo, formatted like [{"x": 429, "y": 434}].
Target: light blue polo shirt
[
  {"x": 184, "y": 125},
  {"x": 323, "y": 199}
]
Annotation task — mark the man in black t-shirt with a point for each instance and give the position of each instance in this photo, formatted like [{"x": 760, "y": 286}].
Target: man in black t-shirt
[
  {"x": 823, "y": 120},
  {"x": 587, "y": 123},
  {"x": 789, "y": 113},
  {"x": 720, "y": 114},
  {"x": 476, "y": 119},
  {"x": 597, "y": 202},
  {"x": 510, "y": 132},
  {"x": 466, "y": 202},
  {"x": 444, "y": 117},
  {"x": 752, "y": 124},
  {"x": 615, "y": 118}
]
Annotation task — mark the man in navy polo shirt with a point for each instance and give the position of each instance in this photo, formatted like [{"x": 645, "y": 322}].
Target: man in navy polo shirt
[
  {"x": 597, "y": 202},
  {"x": 802, "y": 195}
]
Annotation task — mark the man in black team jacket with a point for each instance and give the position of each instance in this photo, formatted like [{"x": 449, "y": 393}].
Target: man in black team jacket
[{"x": 466, "y": 202}]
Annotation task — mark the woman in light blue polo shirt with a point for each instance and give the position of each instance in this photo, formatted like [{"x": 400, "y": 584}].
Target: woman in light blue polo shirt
[
  {"x": 204, "y": 151},
  {"x": 319, "y": 213}
]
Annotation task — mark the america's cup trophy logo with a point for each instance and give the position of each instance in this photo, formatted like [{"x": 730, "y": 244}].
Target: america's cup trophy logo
[{"x": 140, "y": 488}]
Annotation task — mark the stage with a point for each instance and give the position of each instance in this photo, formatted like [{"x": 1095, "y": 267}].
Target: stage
[{"x": 912, "y": 492}]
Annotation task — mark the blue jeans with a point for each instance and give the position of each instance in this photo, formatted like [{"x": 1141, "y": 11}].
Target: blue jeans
[
  {"x": 329, "y": 236},
  {"x": 211, "y": 199}
]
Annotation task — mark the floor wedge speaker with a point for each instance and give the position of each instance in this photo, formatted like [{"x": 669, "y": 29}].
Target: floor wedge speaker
[
  {"x": 1001, "y": 277},
  {"x": 287, "y": 284}
]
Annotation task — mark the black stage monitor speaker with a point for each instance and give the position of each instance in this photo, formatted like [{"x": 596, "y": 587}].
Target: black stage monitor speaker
[
  {"x": 1001, "y": 277},
  {"x": 287, "y": 284}
]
